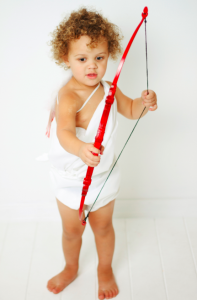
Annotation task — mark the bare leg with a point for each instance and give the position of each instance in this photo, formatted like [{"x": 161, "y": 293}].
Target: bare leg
[
  {"x": 101, "y": 223},
  {"x": 71, "y": 242}
]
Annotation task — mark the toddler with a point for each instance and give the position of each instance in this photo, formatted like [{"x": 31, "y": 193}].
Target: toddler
[{"x": 83, "y": 43}]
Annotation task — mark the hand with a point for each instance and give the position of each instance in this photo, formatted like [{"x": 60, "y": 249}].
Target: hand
[
  {"x": 86, "y": 154},
  {"x": 149, "y": 100}
]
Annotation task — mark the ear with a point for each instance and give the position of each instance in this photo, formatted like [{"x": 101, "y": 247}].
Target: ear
[{"x": 65, "y": 59}]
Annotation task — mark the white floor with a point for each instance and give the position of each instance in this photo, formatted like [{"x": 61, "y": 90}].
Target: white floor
[{"x": 154, "y": 259}]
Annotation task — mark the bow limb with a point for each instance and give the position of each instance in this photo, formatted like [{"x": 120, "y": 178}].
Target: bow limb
[
  {"x": 103, "y": 122},
  {"x": 86, "y": 183},
  {"x": 144, "y": 15}
]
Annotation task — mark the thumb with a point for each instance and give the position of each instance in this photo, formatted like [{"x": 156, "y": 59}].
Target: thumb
[{"x": 144, "y": 94}]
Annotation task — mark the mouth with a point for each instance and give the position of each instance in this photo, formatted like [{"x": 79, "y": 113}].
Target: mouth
[{"x": 91, "y": 75}]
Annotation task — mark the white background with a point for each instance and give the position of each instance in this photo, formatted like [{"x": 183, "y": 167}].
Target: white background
[{"x": 159, "y": 162}]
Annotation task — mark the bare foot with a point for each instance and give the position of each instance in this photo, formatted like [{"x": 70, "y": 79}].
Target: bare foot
[
  {"x": 107, "y": 284},
  {"x": 61, "y": 280}
]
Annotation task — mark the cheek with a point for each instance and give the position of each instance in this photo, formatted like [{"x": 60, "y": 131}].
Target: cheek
[
  {"x": 78, "y": 71},
  {"x": 103, "y": 66},
  {"x": 77, "y": 67}
]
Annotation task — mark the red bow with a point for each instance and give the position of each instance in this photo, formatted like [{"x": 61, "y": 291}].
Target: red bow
[{"x": 103, "y": 122}]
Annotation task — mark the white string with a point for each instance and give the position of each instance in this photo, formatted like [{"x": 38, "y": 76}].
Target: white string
[{"x": 89, "y": 97}]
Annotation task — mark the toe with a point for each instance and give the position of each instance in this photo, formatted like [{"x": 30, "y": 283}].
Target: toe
[
  {"x": 57, "y": 290},
  {"x": 50, "y": 286},
  {"x": 101, "y": 295},
  {"x": 107, "y": 294},
  {"x": 54, "y": 291},
  {"x": 114, "y": 293},
  {"x": 111, "y": 294},
  {"x": 117, "y": 291}
]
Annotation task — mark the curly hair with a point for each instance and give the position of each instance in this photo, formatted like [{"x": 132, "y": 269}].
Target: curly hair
[{"x": 84, "y": 22}]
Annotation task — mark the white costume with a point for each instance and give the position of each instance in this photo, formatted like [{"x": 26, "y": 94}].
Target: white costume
[{"x": 68, "y": 171}]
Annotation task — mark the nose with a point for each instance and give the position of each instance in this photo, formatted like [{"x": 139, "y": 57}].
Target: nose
[{"x": 92, "y": 65}]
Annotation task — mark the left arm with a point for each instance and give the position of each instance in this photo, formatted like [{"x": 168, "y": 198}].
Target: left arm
[{"x": 131, "y": 109}]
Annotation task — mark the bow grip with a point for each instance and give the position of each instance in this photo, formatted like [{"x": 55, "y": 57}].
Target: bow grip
[{"x": 101, "y": 130}]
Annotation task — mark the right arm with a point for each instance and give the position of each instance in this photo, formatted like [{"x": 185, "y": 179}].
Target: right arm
[{"x": 66, "y": 131}]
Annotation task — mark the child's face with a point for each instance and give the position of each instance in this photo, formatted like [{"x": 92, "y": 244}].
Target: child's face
[{"x": 88, "y": 65}]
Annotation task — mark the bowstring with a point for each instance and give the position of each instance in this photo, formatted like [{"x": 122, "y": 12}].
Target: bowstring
[
  {"x": 145, "y": 21},
  {"x": 133, "y": 127}
]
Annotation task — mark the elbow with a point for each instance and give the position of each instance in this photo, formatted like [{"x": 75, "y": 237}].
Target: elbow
[
  {"x": 58, "y": 134},
  {"x": 61, "y": 134}
]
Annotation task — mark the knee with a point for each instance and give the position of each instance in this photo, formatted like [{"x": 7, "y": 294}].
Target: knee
[
  {"x": 71, "y": 233},
  {"x": 101, "y": 228}
]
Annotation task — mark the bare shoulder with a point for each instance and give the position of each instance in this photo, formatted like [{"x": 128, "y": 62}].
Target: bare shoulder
[
  {"x": 109, "y": 82},
  {"x": 68, "y": 101},
  {"x": 67, "y": 96},
  {"x": 118, "y": 91}
]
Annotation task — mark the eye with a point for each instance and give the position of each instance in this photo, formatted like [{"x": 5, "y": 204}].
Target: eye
[
  {"x": 82, "y": 59},
  {"x": 99, "y": 58}
]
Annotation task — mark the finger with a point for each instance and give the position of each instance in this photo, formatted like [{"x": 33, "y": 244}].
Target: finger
[
  {"x": 154, "y": 107},
  {"x": 95, "y": 150},
  {"x": 149, "y": 99},
  {"x": 93, "y": 158},
  {"x": 150, "y": 96},
  {"x": 147, "y": 104},
  {"x": 152, "y": 100},
  {"x": 91, "y": 163},
  {"x": 145, "y": 93}
]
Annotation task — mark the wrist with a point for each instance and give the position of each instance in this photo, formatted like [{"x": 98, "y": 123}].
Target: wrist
[
  {"x": 80, "y": 145},
  {"x": 142, "y": 100}
]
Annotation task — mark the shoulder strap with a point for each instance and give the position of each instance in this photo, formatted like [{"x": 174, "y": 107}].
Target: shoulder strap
[{"x": 89, "y": 97}]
